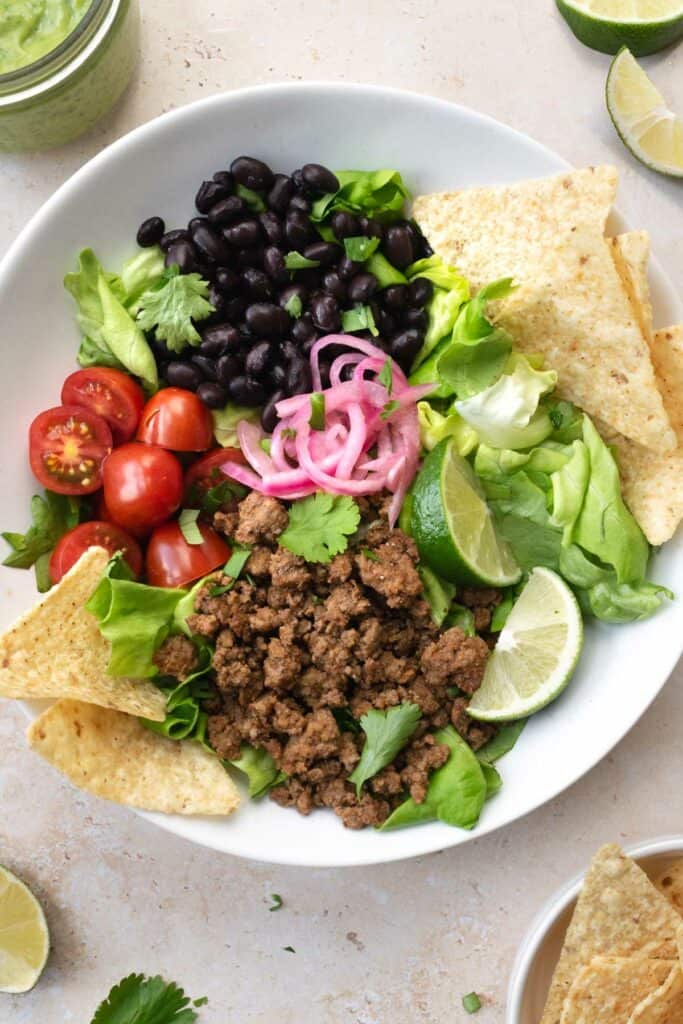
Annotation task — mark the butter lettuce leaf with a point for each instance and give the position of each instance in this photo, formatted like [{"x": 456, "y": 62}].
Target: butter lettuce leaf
[
  {"x": 507, "y": 414},
  {"x": 435, "y": 426},
  {"x": 379, "y": 194},
  {"x": 260, "y": 768}
]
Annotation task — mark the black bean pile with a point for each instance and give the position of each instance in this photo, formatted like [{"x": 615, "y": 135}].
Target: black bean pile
[{"x": 255, "y": 346}]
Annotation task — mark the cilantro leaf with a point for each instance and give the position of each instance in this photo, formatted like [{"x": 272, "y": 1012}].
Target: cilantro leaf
[
  {"x": 386, "y": 733},
  {"x": 276, "y": 901},
  {"x": 294, "y": 306},
  {"x": 360, "y": 318},
  {"x": 253, "y": 199},
  {"x": 389, "y": 408},
  {"x": 359, "y": 248},
  {"x": 187, "y": 521},
  {"x": 260, "y": 768},
  {"x": 51, "y": 517},
  {"x": 319, "y": 526},
  {"x": 296, "y": 261},
  {"x": 171, "y": 309},
  {"x": 140, "y": 1000},
  {"x": 386, "y": 376}
]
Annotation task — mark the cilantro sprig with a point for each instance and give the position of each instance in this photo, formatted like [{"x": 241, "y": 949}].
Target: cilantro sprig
[
  {"x": 51, "y": 517},
  {"x": 319, "y": 526},
  {"x": 386, "y": 732},
  {"x": 170, "y": 309},
  {"x": 140, "y": 1000}
]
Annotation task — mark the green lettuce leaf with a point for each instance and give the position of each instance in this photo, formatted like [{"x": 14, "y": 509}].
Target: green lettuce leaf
[
  {"x": 569, "y": 485},
  {"x": 434, "y": 427},
  {"x": 125, "y": 339},
  {"x": 140, "y": 273},
  {"x": 171, "y": 309},
  {"x": 225, "y": 422},
  {"x": 451, "y": 290},
  {"x": 434, "y": 269},
  {"x": 461, "y": 617},
  {"x": 386, "y": 732},
  {"x": 427, "y": 373},
  {"x": 385, "y": 272},
  {"x": 624, "y": 602},
  {"x": 439, "y": 594},
  {"x": 502, "y": 743},
  {"x": 506, "y": 414},
  {"x": 185, "y": 719},
  {"x": 378, "y": 194},
  {"x": 260, "y": 769}
]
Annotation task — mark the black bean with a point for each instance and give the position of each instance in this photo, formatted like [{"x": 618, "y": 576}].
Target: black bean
[
  {"x": 345, "y": 225},
  {"x": 256, "y": 284},
  {"x": 324, "y": 367},
  {"x": 371, "y": 228},
  {"x": 206, "y": 366},
  {"x": 212, "y": 394},
  {"x": 298, "y": 376},
  {"x": 420, "y": 291},
  {"x": 278, "y": 375},
  {"x": 246, "y": 391},
  {"x": 183, "y": 375},
  {"x": 398, "y": 245},
  {"x": 333, "y": 284},
  {"x": 324, "y": 253},
  {"x": 183, "y": 254},
  {"x": 319, "y": 178},
  {"x": 171, "y": 237},
  {"x": 217, "y": 300},
  {"x": 227, "y": 367},
  {"x": 243, "y": 234},
  {"x": 416, "y": 318},
  {"x": 304, "y": 329},
  {"x": 210, "y": 244},
  {"x": 225, "y": 179},
  {"x": 292, "y": 290},
  {"x": 362, "y": 287},
  {"x": 227, "y": 280},
  {"x": 347, "y": 268},
  {"x": 325, "y": 312},
  {"x": 227, "y": 210},
  {"x": 274, "y": 264},
  {"x": 300, "y": 203},
  {"x": 195, "y": 223},
  {"x": 150, "y": 232},
  {"x": 269, "y": 416},
  {"x": 298, "y": 179},
  {"x": 218, "y": 339},
  {"x": 235, "y": 307},
  {"x": 257, "y": 359},
  {"x": 252, "y": 173},
  {"x": 251, "y": 257},
  {"x": 386, "y": 322},
  {"x": 309, "y": 343},
  {"x": 404, "y": 346},
  {"x": 395, "y": 297},
  {"x": 281, "y": 191},
  {"x": 206, "y": 267},
  {"x": 298, "y": 230},
  {"x": 209, "y": 193},
  {"x": 271, "y": 225},
  {"x": 310, "y": 278},
  {"x": 289, "y": 350},
  {"x": 267, "y": 319}
]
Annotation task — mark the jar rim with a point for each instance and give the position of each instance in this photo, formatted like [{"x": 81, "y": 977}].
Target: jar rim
[{"x": 32, "y": 78}]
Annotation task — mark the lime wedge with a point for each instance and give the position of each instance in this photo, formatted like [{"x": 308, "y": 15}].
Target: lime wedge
[
  {"x": 453, "y": 526},
  {"x": 645, "y": 26},
  {"x": 24, "y": 938},
  {"x": 536, "y": 652},
  {"x": 645, "y": 124}
]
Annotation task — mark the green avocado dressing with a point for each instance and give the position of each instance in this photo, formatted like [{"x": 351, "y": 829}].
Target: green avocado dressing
[{"x": 29, "y": 29}]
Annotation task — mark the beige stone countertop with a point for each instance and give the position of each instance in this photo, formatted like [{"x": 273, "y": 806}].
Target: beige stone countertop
[{"x": 395, "y": 944}]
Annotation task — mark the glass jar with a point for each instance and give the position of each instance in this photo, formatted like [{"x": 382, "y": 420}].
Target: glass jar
[{"x": 67, "y": 91}]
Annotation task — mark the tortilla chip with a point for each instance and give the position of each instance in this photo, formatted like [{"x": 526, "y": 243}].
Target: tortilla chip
[
  {"x": 665, "y": 1005},
  {"x": 571, "y": 306},
  {"x": 57, "y": 650},
  {"x": 667, "y": 357},
  {"x": 608, "y": 989},
  {"x": 631, "y": 254},
  {"x": 619, "y": 913},
  {"x": 670, "y": 884},
  {"x": 112, "y": 755}
]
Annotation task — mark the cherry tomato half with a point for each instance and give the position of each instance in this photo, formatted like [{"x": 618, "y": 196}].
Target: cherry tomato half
[
  {"x": 172, "y": 562},
  {"x": 67, "y": 446},
  {"x": 113, "y": 395},
  {"x": 176, "y": 419},
  {"x": 71, "y": 546},
  {"x": 206, "y": 473},
  {"x": 143, "y": 486}
]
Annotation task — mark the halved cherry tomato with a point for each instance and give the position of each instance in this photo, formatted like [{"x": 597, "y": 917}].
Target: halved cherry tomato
[
  {"x": 113, "y": 395},
  {"x": 71, "y": 546},
  {"x": 172, "y": 562},
  {"x": 143, "y": 486},
  {"x": 67, "y": 447},
  {"x": 176, "y": 419},
  {"x": 206, "y": 473}
]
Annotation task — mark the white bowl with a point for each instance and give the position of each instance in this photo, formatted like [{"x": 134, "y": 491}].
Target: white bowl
[
  {"x": 541, "y": 946},
  {"x": 156, "y": 169}
]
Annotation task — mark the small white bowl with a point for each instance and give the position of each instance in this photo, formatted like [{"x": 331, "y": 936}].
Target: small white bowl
[{"x": 540, "y": 949}]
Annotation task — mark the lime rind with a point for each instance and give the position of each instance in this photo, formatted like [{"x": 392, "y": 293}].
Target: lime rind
[
  {"x": 24, "y": 936},
  {"x": 536, "y": 653},
  {"x": 607, "y": 33}
]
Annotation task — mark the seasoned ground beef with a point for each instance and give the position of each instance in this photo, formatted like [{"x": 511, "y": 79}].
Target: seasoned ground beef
[{"x": 302, "y": 648}]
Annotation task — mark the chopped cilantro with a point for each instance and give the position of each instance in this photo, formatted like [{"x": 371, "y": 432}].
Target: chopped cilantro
[
  {"x": 297, "y": 261},
  {"x": 294, "y": 306},
  {"x": 187, "y": 521},
  {"x": 345, "y": 720},
  {"x": 386, "y": 733},
  {"x": 471, "y": 1002},
  {"x": 389, "y": 408},
  {"x": 360, "y": 318},
  {"x": 320, "y": 525},
  {"x": 369, "y": 553},
  {"x": 140, "y": 1000},
  {"x": 289, "y": 949},
  {"x": 233, "y": 567},
  {"x": 359, "y": 248},
  {"x": 317, "y": 420},
  {"x": 170, "y": 310},
  {"x": 386, "y": 376},
  {"x": 200, "y": 1002},
  {"x": 276, "y": 901},
  {"x": 215, "y": 497}
]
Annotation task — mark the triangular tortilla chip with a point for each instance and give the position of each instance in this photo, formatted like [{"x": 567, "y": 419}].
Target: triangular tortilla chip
[
  {"x": 631, "y": 254},
  {"x": 608, "y": 989},
  {"x": 619, "y": 913},
  {"x": 113, "y": 756},
  {"x": 670, "y": 884},
  {"x": 665, "y": 1006},
  {"x": 667, "y": 357},
  {"x": 571, "y": 306},
  {"x": 57, "y": 650}
]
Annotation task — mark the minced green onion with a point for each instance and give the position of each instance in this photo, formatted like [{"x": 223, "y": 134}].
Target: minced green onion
[{"x": 317, "y": 420}]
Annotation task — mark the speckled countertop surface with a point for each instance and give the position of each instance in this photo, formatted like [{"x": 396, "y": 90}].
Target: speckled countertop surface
[{"x": 382, "y": 945}]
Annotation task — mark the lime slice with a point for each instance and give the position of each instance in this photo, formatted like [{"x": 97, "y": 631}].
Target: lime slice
[
  {"x": 641, "y": 117},
  {"x": 536, "y": 652},
  {"x": 24, "y": 938},
  {"x": 453, "y": 526},
  {"x": 645, "y": 26}
]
